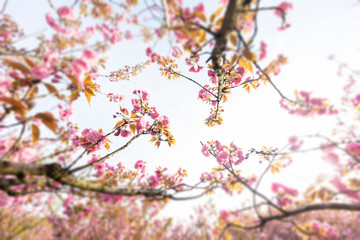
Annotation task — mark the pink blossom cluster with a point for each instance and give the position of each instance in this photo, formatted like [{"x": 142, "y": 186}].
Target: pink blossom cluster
[
  {"x": 295, "y": 143},
  {"x": 112, "y": 35},
  {"x": 9, "y": 29},
  {"x": 224, "y": 155},
  {"x": 330, "y": 155},
  {"x": 65, "y": 112},
  {"x": 193, "y": 62},
  {"x": 307, "y": 106},
  {"x": 83, "y": 64},
  {"x": 44, "y": 70},
  {"x": 161, "y": 177},
  {"x": 324, "y": 230},
  {"x": 263, "y": 47},
  {"x": 115, "y": 97},
  {"x": 285, "y": 7},
  {"x": 284, "y": 194},
  {"x": 141, "y": 109},
  {"x": 343, "y": 188},
  {"x": 88, "y": 138}
]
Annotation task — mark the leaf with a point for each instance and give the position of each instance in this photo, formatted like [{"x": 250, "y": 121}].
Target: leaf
[
  {"x": 132, "y": 128},
  {"x": 33, "y": 92},
  {"x": 201, "y": 16},
  {"x": 202, "y": 36},
  {"x": 107, "y": 146},
  {"x": 134, "y": 115},
  {"x": 218, "y": 11},
  {"x": 29, "y": 62},
  {"x": 244, "y": 63},
  {"x": 52, "y": 89},
  {"x": 17, "y": 66},
  {"x": 233, "y": 39},
  {"x": 74, "y": 80},
  {"x": 87, "y": 81},
  {"x": 74, "y": 95},
  {"x": 219, "y": 21},
  {"x": 119, "y": 123},
  {"x": 13, "y": 102},
  {"x": 35, "y": 133},
  {"x": 89, "y": 93},
  {"x": 48, "y": 120},
  {"x": 249, "y": 55}
]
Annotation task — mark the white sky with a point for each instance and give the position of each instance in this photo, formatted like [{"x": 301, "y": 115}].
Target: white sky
[{"x": 319, "y": 28}]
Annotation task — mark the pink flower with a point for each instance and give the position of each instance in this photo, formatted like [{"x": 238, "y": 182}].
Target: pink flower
[
  {"x": 40, "y": 72},
  {"x": 222, "y": 157},
  {"x": 51, "y": 59},
  {"x": 155, "y": 114},
  {"x": 125, "y": 133},
  {"x": 353, "y": 148},
  {"x": 176, "y": 52},
  {"x": 90, "y": 57},
  {"x": 65, "y": 113},
  {"x": 165, "y": 121},
  {"x": 224, "y": 215},
  {"x": 277, "y": 187},
  {"x": 148, "y": 52},
  {"x": 128, "y": 35},
  {"x": 140, "y": 125},
  {"x": 285, "y": 6},
  {"x": 144, "y": 96},
  {"x": 263, "y": 47},
  {"x": 218, "y": 146},
  {"x": 50, "y": 20},
  {"x": 67, "y": 13},
  {"x": 357, "y": 98},
  {"x": 192, "y": 69},
  {"x": 153, "y": 181},
  {"x": 341, "y": 187},
  {"x": 139, "y": 164},
  {"x": 93, "y": 136},
  {"x": 80, "y": 67},
  {"x": 205, "y": 150}
]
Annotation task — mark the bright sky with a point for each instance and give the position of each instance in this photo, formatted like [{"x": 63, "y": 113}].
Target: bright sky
[{"x": 318, "y": 29}]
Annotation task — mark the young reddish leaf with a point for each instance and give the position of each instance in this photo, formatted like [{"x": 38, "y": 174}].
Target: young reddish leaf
[
  {"x": 132, "y": 128},
  {"x": 29, "y": 62},
  {"x": 33, "y": 92},
  {"x": 48, "y": 120},
  {"x": 249, "y": 55},
  {"x": 75, "y": 94},
  {"x": 119, "y": 123},
  {"x": 233, "y": 39},
  {"x": 17, "y": 66},
  {"x": 13, "y": 102},
  {"x": 35, "y": 133},
  {"x": 52, "y": 89}
]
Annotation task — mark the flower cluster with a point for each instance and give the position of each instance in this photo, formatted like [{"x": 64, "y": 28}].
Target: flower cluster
[
  {"x": 305, "y": 105},
  {"x": 284, "y": 194}
]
